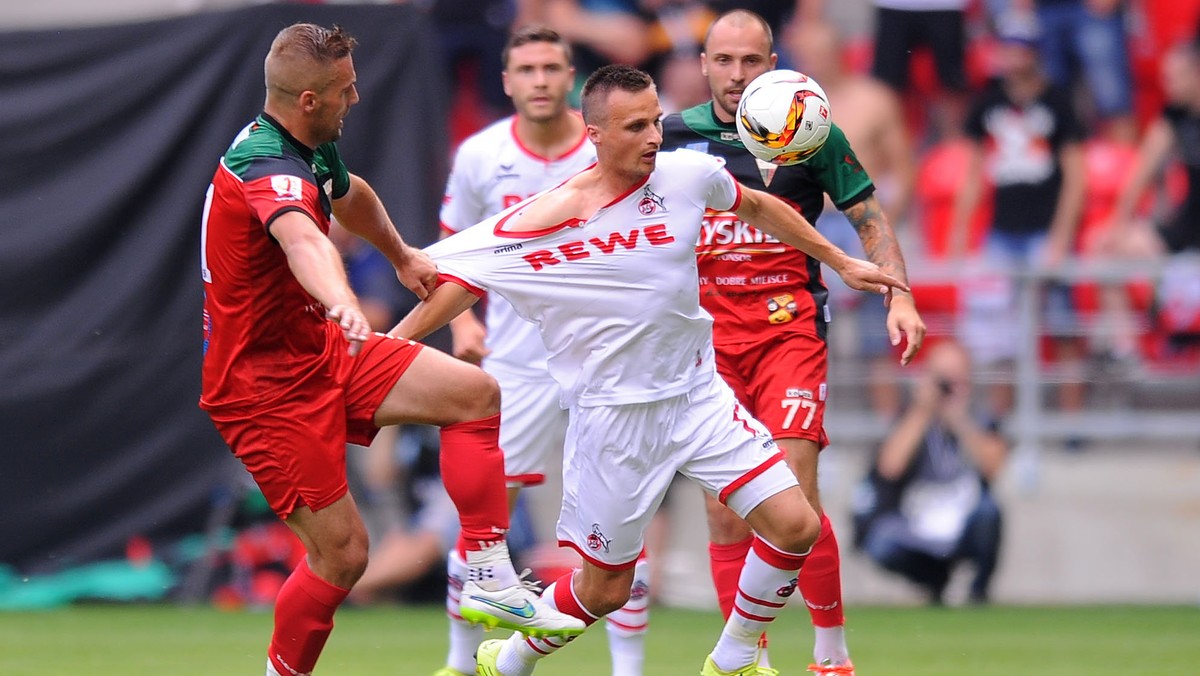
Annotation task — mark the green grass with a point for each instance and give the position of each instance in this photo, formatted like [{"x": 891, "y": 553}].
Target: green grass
[{"x": 399, "y": 641}]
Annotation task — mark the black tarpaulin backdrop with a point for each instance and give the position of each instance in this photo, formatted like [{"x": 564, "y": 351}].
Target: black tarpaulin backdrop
[{"x": 109, "y": 138}]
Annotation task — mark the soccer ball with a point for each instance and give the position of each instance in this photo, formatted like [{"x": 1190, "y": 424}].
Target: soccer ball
[{"x": 783, "y": 117}]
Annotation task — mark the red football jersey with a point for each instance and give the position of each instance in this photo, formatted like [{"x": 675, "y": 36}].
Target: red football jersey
[
  {"x": 753, "y": 285},
  {"x": 264, "y": 335}
]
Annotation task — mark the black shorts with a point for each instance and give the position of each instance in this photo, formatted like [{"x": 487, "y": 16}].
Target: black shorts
[{"x": 898, "y": 32}]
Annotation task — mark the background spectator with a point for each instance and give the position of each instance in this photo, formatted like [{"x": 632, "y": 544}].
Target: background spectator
[
  {"x": 902, "y": 26},
  {"x": 926, "y": 505},
  {"x": 1086, "y": 41},
  {"x": 602, "y": 31},
  {"x": 1129, "y": 235},
  {"x": 1027, "y": 142}
]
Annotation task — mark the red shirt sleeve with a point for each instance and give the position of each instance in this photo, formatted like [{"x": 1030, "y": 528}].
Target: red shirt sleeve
[{"x": 271, "y": 196}]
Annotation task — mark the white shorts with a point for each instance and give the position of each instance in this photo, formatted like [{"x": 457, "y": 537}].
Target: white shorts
[
  {"x": 619, "y": 460},
  {"x": 532, "y": 428}
]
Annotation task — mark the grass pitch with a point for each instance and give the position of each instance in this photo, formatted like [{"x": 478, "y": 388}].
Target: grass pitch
[{"x": 403, "y": 641}]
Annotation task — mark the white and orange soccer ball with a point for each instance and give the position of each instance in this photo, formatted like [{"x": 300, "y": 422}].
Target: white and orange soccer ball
[{"x": 783, "y": 117}]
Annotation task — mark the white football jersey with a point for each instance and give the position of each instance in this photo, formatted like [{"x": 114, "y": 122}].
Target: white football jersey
[
  {"x": 616, "y": 298},
  {"x": 493, "y": 171}
]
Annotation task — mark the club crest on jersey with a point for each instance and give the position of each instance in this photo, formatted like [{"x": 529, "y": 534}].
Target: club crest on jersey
[
  {"x": 782, "y": 309},
  {"x": 766, "y": 170},
  {"x": 287, "y": 188},
  {"x": 596, "y": 540},
  {"x": 651, "y": 202}
]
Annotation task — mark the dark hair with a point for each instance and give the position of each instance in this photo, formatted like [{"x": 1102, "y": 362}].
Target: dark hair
[
  {"x": 534, "y": 33},
  {"x": 317, "y": 43},
  {"x": 605, "y": 80},
  {"x": 745, "y": 14}
]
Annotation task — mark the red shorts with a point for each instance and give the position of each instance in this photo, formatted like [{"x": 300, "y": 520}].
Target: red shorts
[
  {"x": 781, "y": 382},
  {"x": 295, "y": 446}
]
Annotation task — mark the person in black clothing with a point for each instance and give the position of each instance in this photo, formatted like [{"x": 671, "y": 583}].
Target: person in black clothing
[
  {"x": 1176, "y": 132},
  {"x": 926, "y": 504},
  {"x": 1027, "y": 141}
]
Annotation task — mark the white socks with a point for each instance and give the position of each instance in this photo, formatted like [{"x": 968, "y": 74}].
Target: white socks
[
  {"x": 464, "y": 636},
  {"x": 763, "y": 589},
  {"x": 627, "y": 625},
  {"x": 830, "y": 645},
  {"x": 491, "y": 568}
]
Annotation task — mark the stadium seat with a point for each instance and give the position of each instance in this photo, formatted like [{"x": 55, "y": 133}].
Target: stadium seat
[
  {"x": 1108, "y": 167},
  {"x": 939, "y": 180}
]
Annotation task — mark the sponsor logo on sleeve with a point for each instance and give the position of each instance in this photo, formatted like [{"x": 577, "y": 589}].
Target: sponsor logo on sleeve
[{"x": 287, "y": 188}]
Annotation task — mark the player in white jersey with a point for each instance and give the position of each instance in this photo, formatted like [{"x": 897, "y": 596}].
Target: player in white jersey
[
  {"x": 540, "y": 146},
  {"x": 605, "y": 265}
]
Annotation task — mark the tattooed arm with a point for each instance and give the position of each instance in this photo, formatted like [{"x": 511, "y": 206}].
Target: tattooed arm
[{"x": 882, "y": 249}]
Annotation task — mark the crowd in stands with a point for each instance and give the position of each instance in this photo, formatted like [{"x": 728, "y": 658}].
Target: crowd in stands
[{"x": 1003, "y": 135}]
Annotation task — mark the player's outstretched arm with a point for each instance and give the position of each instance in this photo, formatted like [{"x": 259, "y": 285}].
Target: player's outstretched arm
[
  {"x": 445, "y": 303},
  {"x": 317, "y": 265},
  {"x": 468, "y": 335},
  {"x": 361, "y": 212},
  {"x": 774, "y": 217},
  {"x": 883, "y": 249}
]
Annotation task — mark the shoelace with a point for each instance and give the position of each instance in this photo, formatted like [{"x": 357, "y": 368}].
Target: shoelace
[{"x": 530, "y": 585}]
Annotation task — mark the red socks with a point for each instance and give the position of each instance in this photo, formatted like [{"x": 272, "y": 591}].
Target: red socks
[
  {"x": 726, "y": 563},
  {"x": 565, "y": 601},
  {"x": 303, "y": 619},
  {"x": 561, "y": 597},
  {"x": 821, "y": 579},
  {"x": 473, "y": 473}
]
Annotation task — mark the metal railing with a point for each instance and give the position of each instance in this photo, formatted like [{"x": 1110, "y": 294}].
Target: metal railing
[{"x": 1123, "y": 415}]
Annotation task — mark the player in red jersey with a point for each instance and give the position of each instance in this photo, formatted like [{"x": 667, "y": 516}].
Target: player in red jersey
[
  {"x": 292, "y": 371},
  {"x": 769, "y": 309}
]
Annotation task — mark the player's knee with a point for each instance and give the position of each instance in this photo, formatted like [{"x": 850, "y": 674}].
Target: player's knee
[
  {"x": 352, "y": 560},
  {"x": 795, "y": 530},
  {"x": 482, "y": 397},
  {"x": 343, "y": 563}
]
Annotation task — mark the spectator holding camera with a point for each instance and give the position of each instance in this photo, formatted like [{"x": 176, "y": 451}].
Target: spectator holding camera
[{"x": 927, "y": 505}]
